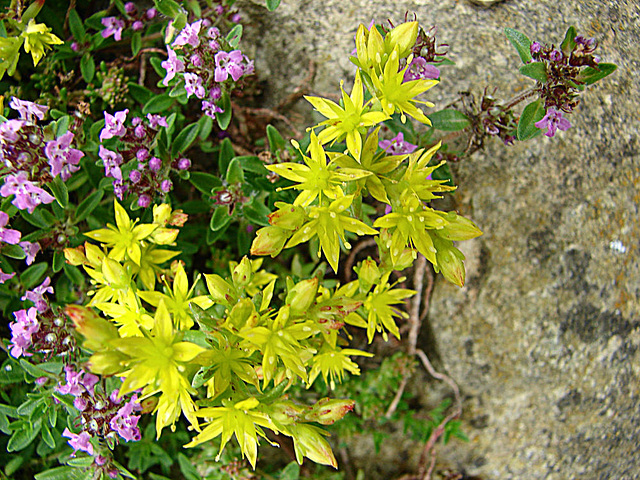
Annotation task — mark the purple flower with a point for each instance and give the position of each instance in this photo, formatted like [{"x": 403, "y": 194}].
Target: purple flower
[
  {"x": 193, "y": 85},
  {"x": 419, "y": 69},
  {"x": 144, "y": 200},
  {"x": 27, "y": 110},
  {"x": 552, "y": 121},
  {"x": 63, "y": 159},
  {"x": 130, "y": 7},
  {"x": 535, "y": 48},
  {"x": 156, "y": 121},
  {"x": 27, "y": 195},
  {"x": 22, "y": 330},
  {"x": 397, "y": 145},
  {"x": 142, "y": 154},
  {"x": 112, "y": 162},
  {"x": 139, "y": 131},
  {"x": 119, "y": 189},
  {"x": 210, "y": 108},
  {"x": 79, "y": 441},
  {"x": 37, "y": 295},
  {"x": 166, "y": 186},
  {"x": 228, "y": 64},
  {"x": 6, "y": 276},
  {"x": 114, "y": 125},
  {"x": 75, "y": 47},
  {"x": 9, "y": 130},
  {"x": 213, "y": 33},
  {"x": 8, "y": 235},
  {"x": 151, "y": 13},
  {"x": 188, "y": 35},
  {"x": 172, "y": 65},
  {"x": 155, "y": 164},
  {"x": 137, "y": 25},
  {"x": 555, "y": 56},
  {"x": 184, "y": 164},
  {"x": 135, "y": 176},
  {"x": 30, "y": 250},
  {"x": 215, "y": 93},
  {"x": 114, "y": 26},
  {"x": 125, "y": 424},
  {"x": 196, "y": 60}
]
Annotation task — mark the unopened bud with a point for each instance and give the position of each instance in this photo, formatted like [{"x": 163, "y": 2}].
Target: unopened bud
[
  {"x": 450, "y": 261},
  {"x": 403, "y": 36},
  {"x": 75, "y": 256},
  {"x": 288, "y": 217},
  {"x": 242, "y": 273},
  {"x": 96, "y": 330},
  {"x": 368, "y": 274},
  {"x": 327, "y": 411},
  {"x": 269, "y": 241},
  {"x": 458, "y": 228},
  {"x": 220, "y": 290},
  {"x": 302, "y": 296}
]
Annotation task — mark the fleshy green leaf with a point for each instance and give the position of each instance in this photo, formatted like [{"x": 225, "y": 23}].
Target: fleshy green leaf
[
  {"x": 535, "y": 70},
  {"x": 569, "y": 42},
  {"x": 87, "y": 67},
  {"x": 234, "y": 172},
  {"x": 276, "y": 142},
  {"x": 224, "y": 118},
  {"x": 75, "y": 25},
  {"x": 88, "y": 205},
  {"x": 226, "y": 155},
  {"x": 521, "y": 43},
  {"x": 205, "y": 182},
  {"x": 139, "y": 93},
  {"x": 591, "y": 75},
  {"x": 184, "y": 139},
  {"x": 33, "y": 275},
  {"x": 136, "y": 43},
  {"x": 59, "y": 190},
  {"x": 532, "y": 113},
  {"x": 272, "y": 5},
  {"x": 158, "y": 104},
  {"x": 170, "y": 8},
  {"x": 449, "y": 120},
  {"x": 219, "y": 219},
  {"x": 235, "y": 35}
]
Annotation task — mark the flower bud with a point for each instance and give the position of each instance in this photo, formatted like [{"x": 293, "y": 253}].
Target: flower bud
[
  {"x": 308, "y": 442},
  {"x": 242, "y": 273},
  {"x": 75, "y": 256},
  {"x": 403, "y": 36},
  {"x": 326, "y": 411},
  {"x": 286, "y": 412},
  {"x": 288, "y": 217},
  {"x": 269, "y": 241},
  {"x": 302, "y": 296},
  {"x": 96, "y": 330},
  {"x": 368, "y": 274},
  {"x": 220, "y": 290},
  {"x": 458, "y": 228},
  {"x": 107, "y": 363},
  {"x": 450, "y": 261}
]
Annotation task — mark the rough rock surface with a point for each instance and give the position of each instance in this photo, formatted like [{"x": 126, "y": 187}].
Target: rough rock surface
[{"x": 543, "y": 340}]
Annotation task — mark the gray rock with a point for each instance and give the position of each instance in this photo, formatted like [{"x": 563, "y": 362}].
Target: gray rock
[{"x": 543, "y": 340}]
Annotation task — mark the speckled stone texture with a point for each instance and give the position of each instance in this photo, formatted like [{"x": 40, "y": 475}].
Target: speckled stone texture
[{"x": 543, "y": 340}]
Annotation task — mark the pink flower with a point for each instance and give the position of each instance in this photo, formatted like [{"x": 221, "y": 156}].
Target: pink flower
[
  {"x": 172, "y": 65},
  {"x": 79, "y": 441},
  {"x": 30, "y": 250},
  {"x": 552, "y": 121},
  {"x": 193, "y": 85},
  {"x": 114, "y": 26},
  {"x": 210, "y": 108},
  {"x": 228, "y": 64},
  {"x": 22, "y": 330},
  {"x": 419, "y": 69},
  {"x": 63, "y": 159},
  {"x": 112, "y": 162},
  {"x": 37, "y": 295},
  {"x": 27, "y": 195},
  {"x": 188, "y": 35},
  {"x": 6, "y": 276},
  {"x": 114, "y": 125},
  {"x": 27, "y": 110},
  {"x": 397, "y": 145},
  {"x": 156, "y": 121},
  {"x": 8, "y": 235}
]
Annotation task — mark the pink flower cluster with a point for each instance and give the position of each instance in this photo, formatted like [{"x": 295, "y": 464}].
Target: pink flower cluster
[
  {"x": 147, "y": 174},
  {"x": 114, "y": 26},
  {"x": 29, "y": 161},
  {"x": 196, "y": 56}
]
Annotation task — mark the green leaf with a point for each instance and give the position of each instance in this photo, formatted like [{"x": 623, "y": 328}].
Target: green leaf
[
  {"x": 87, "y": 67},
  {"x": 251, "y": 163},
  {"x": 535, "y": 70},
  {"x": 226, "y": 155},
  {"x": 234, "y": 172},
  {"x": 47, "y": 437},
  {"x": 256, "y": 213},
  {"x": 136, "y": 43},
  {"x": 235, "y": 35},
  {"x": 569, "y": 42},
  {"x": 58, "y": 261},
  {"x": 591, "y": 75},
  {"x": 290, "y": 472},
  {"x": 22, "y": 437},
  {"x": 184, "y": 139},
  {"x": 59, "y": 190},
  {"x": 13, "y": 465},
  {"x": 276, "y": 142},
  {"x": 80, "y": 461},
  {"x": 62, "y": 125},
  {"x": 449, "y": 120},
  {"x": 224, "y": 118},
  {"x": 13, "y": 251},
  {"x": 219, "y": 219},
  {"x": 271, "y": 6},
  {"x": 88, "y": 205},
  {"x": 158, "y": 104},
  {"x": 205, "y": 182},
  {"x": 139, "y": 93},
  {"x": 58, "y": 473},
  {"x": 170, "y": 8},
  {"x": 204, "y": 319},
  {"x": 74, "y": 274},
  {"x": 156, "y": 63},
  {"x": 33, "y": 275},
  {"x": 187, "y": 468},
  {"x": 521, "y": 43},
  {"x": 534, "y": 112},
  {"x": 40, "y": 218},
  {"x": 75, "y": 25},
  {"x": 10, "y": 373}
]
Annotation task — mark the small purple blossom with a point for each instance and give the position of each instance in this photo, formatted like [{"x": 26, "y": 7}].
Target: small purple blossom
[
  {"x": 79, "y": 441},
  {"x": 144, "y": 200},
  {"x": 114, "y": 26},
  {"x": 166, "y": 186},
  {"x": 156, "y": 121},
  {"x": 27, "y": 195},
  {"x": 137, "y": 25},
  {"x": 196, "y": 60},
  {"x": 184, "y": 164},
  {"x": 119, "y": 189},
  {"x": 75, "y": 47},
  {"x": 210, "y": 108},
  {"x": 419, "y": 69},
  {"x": 112, "y": 162},
  {"x": 139, "y": 131},
  {"x": 130, "y": 7},
  {"x": 151, "y": 13},
  {"x": 193, "y": 85},
  {"x": 155, "y": 164},
  {"x": 9, "y": 130},
  {"x": 213, "y": 33},
  {"x": 535, "y": 48},
  {"x": 28, "y": 110},
  {"x": 30, "y": 250},
  {"x": 8, "y": 235},
  {"x": 228, "y": 64},
  {"x": 388, "y": 209},
  {"x": 22, "y": 330},
  {"x": 37, "y": 295},
  {"x": 188, "y": 35},
  {"x": 135, "y": 176},
  {"x": 6, "y": 276},
  {"x": 142, "y": 154},
  {"x": 124, "y": 423},
  {"x": 172, "y": 65},
  {"x": 114, "y": 125},
  {"x": 397, "y": 145},
  {"x": 553, "y": 121},
  {"x": 555, "y": 56},
  {"x": 215, "y": 93},
  {"x": 62, "y": 158}
]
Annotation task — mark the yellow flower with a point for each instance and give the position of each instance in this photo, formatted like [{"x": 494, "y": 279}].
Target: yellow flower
[
  {"x": 396, "y": 95},
  {"x": 37, "y": 38},
  {"x": 125, "y": 237},
  {"x": 128, "y": 314},
  {"x": 333, "y": 362},
  {"x": 350, "y": 122}
]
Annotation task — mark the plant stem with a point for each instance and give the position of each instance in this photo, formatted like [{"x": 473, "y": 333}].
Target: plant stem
[{"x": 519, "y": 98}]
